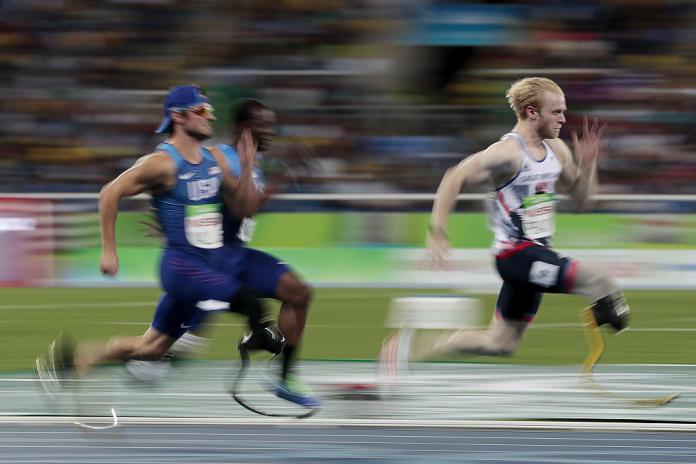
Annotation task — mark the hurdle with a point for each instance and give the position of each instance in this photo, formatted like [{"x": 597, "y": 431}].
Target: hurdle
[{"x": 427, "y": 312}]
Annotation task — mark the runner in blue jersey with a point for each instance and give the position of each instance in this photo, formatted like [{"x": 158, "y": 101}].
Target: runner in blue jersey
[
  {"x": 187, "y": 186},
  {"x": 265, "y": 274},
  {"x": 258, "y": 272}
]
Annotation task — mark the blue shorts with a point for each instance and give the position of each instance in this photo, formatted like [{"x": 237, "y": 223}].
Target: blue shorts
[
  {"x": 188, "y": 279},
  {"x": 174, "y": 318},
  {"x": 251, "y": 269},
  {"x": 528, "y": 271},
  {"x": 258, "y": 271}
]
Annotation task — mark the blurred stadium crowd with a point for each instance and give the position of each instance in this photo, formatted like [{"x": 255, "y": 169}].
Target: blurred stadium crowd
[{"x": 372, "y": 95}]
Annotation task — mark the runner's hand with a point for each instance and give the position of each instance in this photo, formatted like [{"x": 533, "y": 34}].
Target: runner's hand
[
  {"x": 108, "y": 264},
  {"x": 438, "y": 246},
  {"x": 587, "y": 147},
  {"x": 247, "y": 153}
]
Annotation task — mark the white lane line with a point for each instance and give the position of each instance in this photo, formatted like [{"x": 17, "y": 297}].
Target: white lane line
[
  {"x": 220, "y": 324},
  {"x": 113, "y": 304},
  {"x": 80, "y": 458},
  {"x": 339, "y": 296},
  {"x": 437, "y": 436},
  {"x": 549, "y": 325},
  {"x": 504, "y": 442},
  {"x": 684, "y": 427},
  {"x": 345, "y": 326},
  {"x": 270, "y": 446},
  {"x": 137, "y": 303},
  {"x": 664, "y": 329},
  {"x": 568, "y": 325},
  {"x": 558, "y": 460}
]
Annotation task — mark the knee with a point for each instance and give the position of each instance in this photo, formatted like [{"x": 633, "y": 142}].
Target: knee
[
  {"x": 150, "y": 352},
  {"x": 606, "y": 285},
  {"x": 296, "y": 292},
  {"x": 305, "y": 293},
  {"x": 593, "y": 283}
]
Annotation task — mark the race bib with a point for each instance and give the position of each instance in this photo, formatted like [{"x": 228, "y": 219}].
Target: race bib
[
  {"x": 246, "y": 230},
  {"x": 203, "y": 225},
  {"x": 539, "y": 216}
]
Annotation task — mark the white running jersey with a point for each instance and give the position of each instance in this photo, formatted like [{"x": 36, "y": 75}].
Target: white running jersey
[{"x": 524, "y": 208}]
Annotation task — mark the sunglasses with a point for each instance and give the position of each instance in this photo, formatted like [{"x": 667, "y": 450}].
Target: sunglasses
[{"x": 205, "y": 110}]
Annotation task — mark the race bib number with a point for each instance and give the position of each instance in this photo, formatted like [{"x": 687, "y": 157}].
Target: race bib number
[
  {"x": 539, "y": 216},
  {"x": 246, "y": 230},
  {"x": 203, "y": 225}
]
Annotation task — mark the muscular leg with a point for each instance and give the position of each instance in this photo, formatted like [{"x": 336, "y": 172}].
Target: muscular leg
[
  {"x": 516, "y": 306},
  {"x": 501, "y": 338},
  {"x": 150, "y": 346},
  {"x": 609, "y": 305},
  {"x": 592, "y": 283},
  {"x": 246, "y": 302},
  {"x": 296, "y": 296},
  {"x": 192, "y": 344},
  {"x": 549, "y": 272}
]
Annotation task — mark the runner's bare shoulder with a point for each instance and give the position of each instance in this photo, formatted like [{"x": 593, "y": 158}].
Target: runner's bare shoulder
[
  {"x": 502, "y": 160},
  {"x": 560, "y": 148},
  {"x": 156, "y": 169}
]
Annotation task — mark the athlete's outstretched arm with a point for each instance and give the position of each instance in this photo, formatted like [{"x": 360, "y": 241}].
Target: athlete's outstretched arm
[
  {"x": 579, "y": 175},
  {"x": 148, "y": 173}
]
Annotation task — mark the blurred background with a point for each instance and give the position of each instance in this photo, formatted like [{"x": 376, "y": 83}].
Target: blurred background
[
  {"x": 383, "y": 94},
  {"x": 374, "y": 98}
]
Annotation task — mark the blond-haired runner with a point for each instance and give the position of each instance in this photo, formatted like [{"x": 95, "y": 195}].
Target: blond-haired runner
[{"x": 522, "y": 170}]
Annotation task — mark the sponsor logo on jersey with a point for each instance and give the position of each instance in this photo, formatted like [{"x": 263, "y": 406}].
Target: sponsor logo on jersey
[{"x": 537, "y": 177}]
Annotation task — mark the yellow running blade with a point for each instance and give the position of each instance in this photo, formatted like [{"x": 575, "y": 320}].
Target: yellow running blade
[{"x": 595, "y": 342}]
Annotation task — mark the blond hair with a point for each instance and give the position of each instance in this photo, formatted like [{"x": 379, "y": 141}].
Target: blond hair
[{"x": 529, "y": 91}]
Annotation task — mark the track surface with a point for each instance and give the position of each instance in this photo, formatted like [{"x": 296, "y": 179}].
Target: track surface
[
  {"x": 438, "y": 413},
  {"x": 302, "y": 444}
]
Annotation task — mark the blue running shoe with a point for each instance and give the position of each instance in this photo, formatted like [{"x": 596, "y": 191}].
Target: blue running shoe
[{"x": 296, "y": 391}]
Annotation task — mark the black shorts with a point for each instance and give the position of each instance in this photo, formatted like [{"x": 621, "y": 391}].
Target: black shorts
[{"x": 528, "y": 271}]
